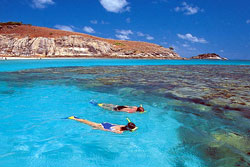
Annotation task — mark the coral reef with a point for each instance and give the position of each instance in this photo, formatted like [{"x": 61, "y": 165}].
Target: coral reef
[{"x": 212, "y": 102}]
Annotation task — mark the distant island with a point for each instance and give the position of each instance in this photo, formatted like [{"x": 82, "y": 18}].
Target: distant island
[{"x": 211, "y": 56}]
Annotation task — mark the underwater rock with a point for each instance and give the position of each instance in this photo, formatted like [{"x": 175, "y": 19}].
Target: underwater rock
[
  {"x": 205, "y": 99},
  {"x": 218, "y": 86},
  {"x": 235, "y": 140},
  {"x": 231, "y": 149}
]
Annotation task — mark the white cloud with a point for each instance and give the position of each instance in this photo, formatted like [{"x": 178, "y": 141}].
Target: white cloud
[
  {"x": 164, "y": 43},
  {"x": 140, "y": 34},
  {"x": 185, "y": 45},
  {"x": 104, "y": 22},
  {"x": 64, "y": 28},
  {"x": 148, "y": 37},
  {"x": 115, "y": 6},
  {"x": 122, "y": 37},
  {"x": 192, "y": 38},
  {"x": 94, "y": 21},
  {"x": 188, "y": 9},
  {"x": 123, "y": 34},
  {"x": 98, "y": 22},
  {"x": 88, "y": 29},
  {"x": 41, "y": 3},
  {"x": 248, "y": 21}
]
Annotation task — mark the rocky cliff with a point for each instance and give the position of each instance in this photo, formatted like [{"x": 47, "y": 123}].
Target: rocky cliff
[
  {"x": 32, "y": 41},
  {"x": 212, "y": 56}
]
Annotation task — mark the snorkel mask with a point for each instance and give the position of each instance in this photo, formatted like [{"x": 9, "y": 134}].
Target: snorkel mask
[{"x": 131, "y": 130}]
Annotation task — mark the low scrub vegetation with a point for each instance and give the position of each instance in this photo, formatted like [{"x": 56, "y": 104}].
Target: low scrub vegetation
[
  {"x": 12, "y": 23},
  {"x": 119, "y": 44}
]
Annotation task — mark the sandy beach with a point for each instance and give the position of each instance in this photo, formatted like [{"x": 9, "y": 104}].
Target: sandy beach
[
  {"x": 49, "y": 58},
  {"x": 16, "y": 58},
  {"x": 89, "y": 57}
]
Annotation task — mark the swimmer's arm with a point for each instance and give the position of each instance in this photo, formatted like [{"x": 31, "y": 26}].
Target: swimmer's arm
[
  {"x": 117, "y": 131},
  {"x": 96, "y": 128}
]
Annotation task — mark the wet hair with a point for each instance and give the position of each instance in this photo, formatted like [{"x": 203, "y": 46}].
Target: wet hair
[
  {"x": 140, "y": 109},
  {"x": 129, "y": 126}
]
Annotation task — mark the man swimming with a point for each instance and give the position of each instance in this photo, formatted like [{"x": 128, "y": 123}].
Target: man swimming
[
  {"x": 105, "y": 126},
  {"x": 112, "y": 107}
]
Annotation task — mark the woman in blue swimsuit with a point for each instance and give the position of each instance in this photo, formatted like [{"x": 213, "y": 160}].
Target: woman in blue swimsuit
[{"x": 105, "y": 126}]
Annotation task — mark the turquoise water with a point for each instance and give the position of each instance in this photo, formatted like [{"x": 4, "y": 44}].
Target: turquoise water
[
  {"x": 198, "y": 113},
  {"x": 13, "y": 65}
]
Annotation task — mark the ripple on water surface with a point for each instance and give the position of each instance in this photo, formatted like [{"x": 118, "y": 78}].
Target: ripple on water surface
[{"x": 197, "y": 116}]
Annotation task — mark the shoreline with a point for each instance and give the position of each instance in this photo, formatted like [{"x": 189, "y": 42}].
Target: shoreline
[
  {"x": 44, "y": 58},
  {"x": 58, "y": 58},
  {"x": 2, "y": 58}
]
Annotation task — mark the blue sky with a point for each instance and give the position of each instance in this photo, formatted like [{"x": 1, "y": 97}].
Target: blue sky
[{"x": 192, "y": 27}]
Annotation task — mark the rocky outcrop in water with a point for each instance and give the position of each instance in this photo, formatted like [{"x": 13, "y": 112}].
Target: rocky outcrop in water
[
  {"x": 212, "y": 56},
  {"x": 31, "y": 41}
]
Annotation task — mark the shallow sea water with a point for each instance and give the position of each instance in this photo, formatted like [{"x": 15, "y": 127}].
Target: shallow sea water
[{"x": 197, "y": 113}]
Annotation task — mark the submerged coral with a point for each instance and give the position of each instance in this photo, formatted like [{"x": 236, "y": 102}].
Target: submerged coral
[{"x": 212, "y": 101}]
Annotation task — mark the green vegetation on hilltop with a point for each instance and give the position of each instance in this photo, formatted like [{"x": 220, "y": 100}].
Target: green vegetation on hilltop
[
  {"x": 119, "y": 44},
  {"x": 171, "y": 48},
  {"x": 12, "y": 23}
]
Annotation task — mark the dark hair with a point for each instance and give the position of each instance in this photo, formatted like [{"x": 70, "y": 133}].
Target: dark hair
[
  {"x": 140, "y": 109},
  {"x": 129, "y": 126}
]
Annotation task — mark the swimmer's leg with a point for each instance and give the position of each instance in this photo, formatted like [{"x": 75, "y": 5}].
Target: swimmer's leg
[
  {"x": 108, "y": 106},
  {"x": 87, "y": 122}
]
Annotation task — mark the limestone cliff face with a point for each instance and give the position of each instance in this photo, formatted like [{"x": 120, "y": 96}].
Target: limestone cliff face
[
  {"x": 41, "y": 46},
  {"x": 31, "y": 41}
]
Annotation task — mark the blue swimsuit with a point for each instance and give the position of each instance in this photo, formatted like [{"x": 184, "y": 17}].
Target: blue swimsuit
[{"x": 107, "y": 126}]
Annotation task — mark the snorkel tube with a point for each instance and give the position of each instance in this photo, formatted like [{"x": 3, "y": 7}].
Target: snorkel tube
[{"x": 132, "y": 130}]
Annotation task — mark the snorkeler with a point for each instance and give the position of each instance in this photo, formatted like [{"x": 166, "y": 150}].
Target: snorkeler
[
  {"x": 105, "y": 126},
  {"x": 112, "y": 107}
]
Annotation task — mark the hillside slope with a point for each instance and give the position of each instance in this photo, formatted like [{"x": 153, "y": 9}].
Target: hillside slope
[{"x": 32, "y": 41}]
